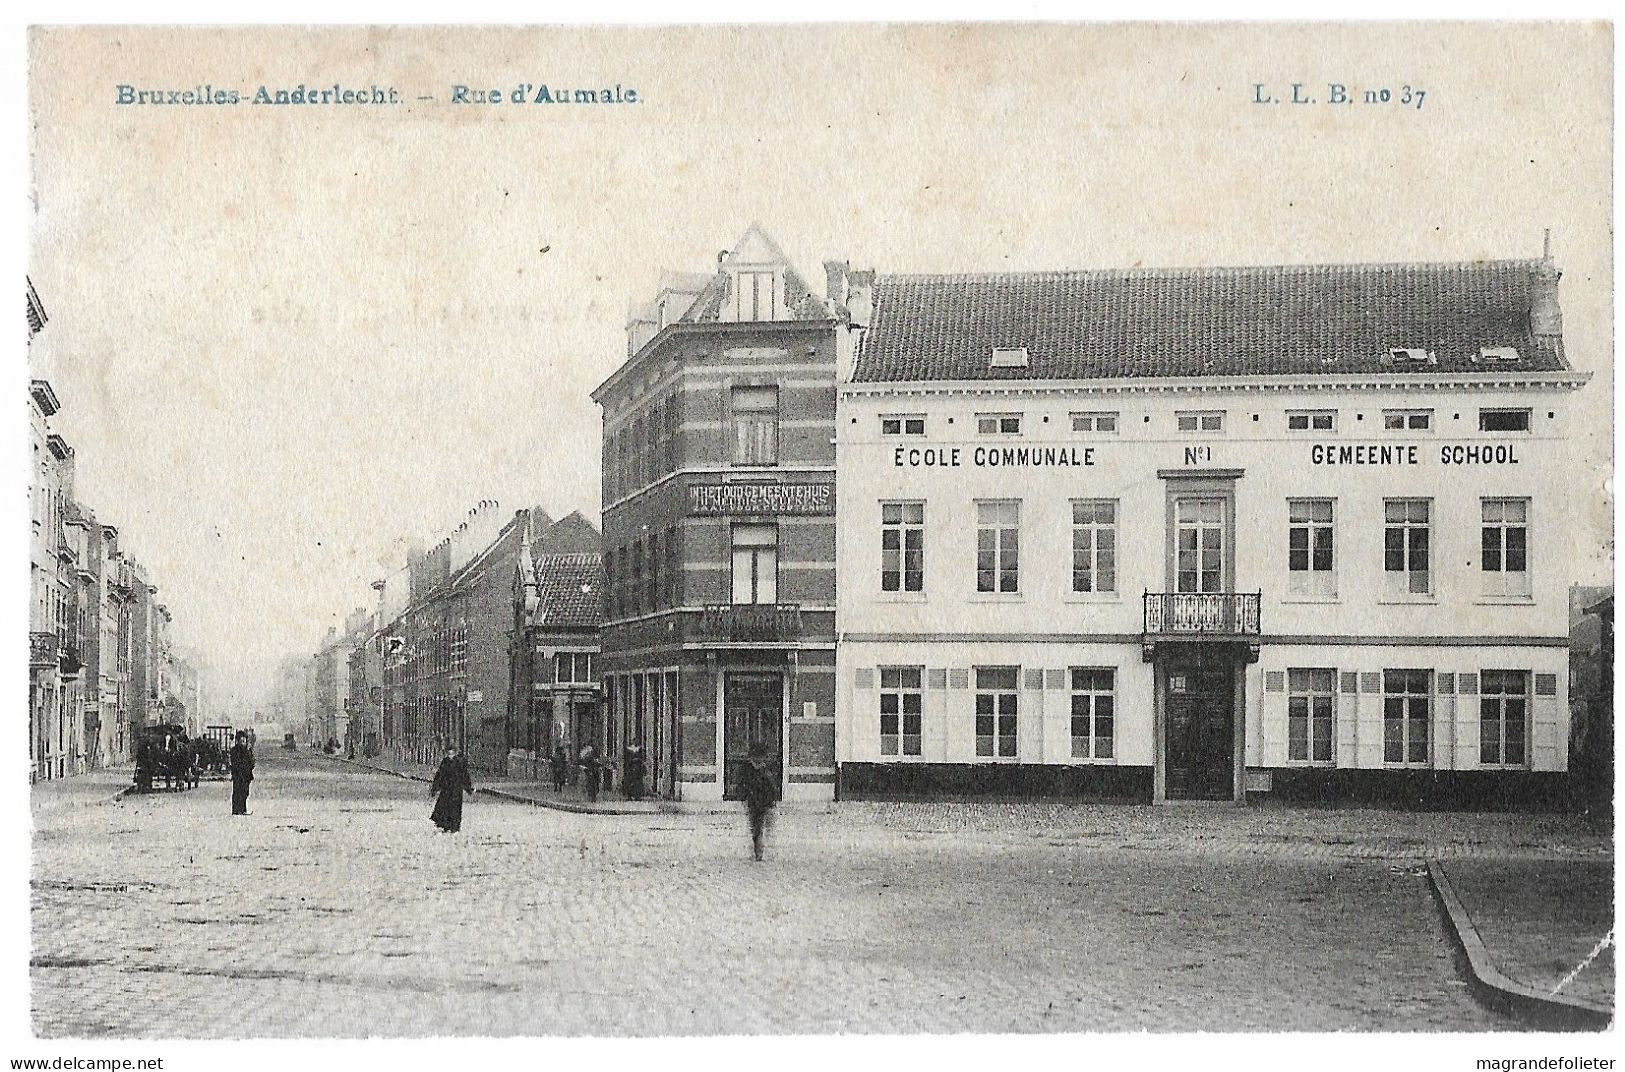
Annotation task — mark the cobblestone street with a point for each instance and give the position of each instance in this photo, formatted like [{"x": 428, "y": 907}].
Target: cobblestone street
[{"x": 336, "y": 909}]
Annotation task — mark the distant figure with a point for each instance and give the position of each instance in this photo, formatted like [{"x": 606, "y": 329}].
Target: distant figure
[
  {"x": 761, "y": 785},
  {"x": 589, "y": 772},
  {"x": 241, "y": 762},
  {"x": 451, "y": 781},
  {"x": 632, "y": 772},
  {"x": 559, "y": 766}
]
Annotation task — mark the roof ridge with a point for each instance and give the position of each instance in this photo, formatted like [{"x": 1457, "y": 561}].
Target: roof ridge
[{"x": 1187, "y": 272}]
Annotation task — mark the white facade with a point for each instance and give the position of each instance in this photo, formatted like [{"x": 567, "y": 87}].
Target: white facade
[{"x": 1257, "y": 453}]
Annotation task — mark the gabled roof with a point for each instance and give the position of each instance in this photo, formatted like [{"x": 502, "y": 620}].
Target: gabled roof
[
  {"x": 570, "y": 592},
  {"x": 571, "y": 534},
  {"x": 1313, "y": 319}
]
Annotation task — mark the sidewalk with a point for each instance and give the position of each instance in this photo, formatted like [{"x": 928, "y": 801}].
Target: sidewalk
[
  {"x": 1540, "y": 919},
  {"x": 541, "y": 793},
  {"x": 82, "y": 790}
]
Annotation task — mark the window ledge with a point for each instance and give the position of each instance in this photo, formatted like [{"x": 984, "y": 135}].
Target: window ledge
[
  {"x": 900, "y": 597},
  {"x": 1086, "y": 598},
  {"x": 996, "y": 597},
  {"x": 1504, "y": 601},
  {"x": 1314, "y": 600},
  {"x": 1404, "y": 601}
]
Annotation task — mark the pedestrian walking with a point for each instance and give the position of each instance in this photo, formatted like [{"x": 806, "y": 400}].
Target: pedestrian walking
[
  {"x": 632, "y": 772},
  {"x": 241, "y": 762},
  {"x": 589, "y": 772},
  {"x": 559, "y": 764},
  {"x": 451, "y": 781},
  {"x": 761, "y": 785}
]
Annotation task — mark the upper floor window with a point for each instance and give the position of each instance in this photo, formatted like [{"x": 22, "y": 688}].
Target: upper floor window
[
  {"x": 574, "y": 668},
  {"x": 1201, "y": 420},
  {"x": 1311, "y": 420},
  {"x": 1104, "y": 423},
  {"x": 902, "y": 547},
  {"x": 998, "y": 424},
  {"x": 1503, "y": 420},
  {"x": 755, "y": 563},
  {"x": 1309, "y": 554},
  {"x": 998, "y": 546},
  {"x": 1405, "y": 551},
  {"x": 1407, "y": 420},
  {"x": 902, "y": 424},
  {"x": 756, "y": 296},
  {"x": 755, "y": 425},
  {"x": 1094, "y": 545},
  {"x": 1504, "y": 547}
]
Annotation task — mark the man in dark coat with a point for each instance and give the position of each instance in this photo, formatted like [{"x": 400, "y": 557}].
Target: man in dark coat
[
  {"x": 559, "y": 765},
  {"x": 589, "y": 772},
  {"x": 761, "y": 785},
  {"x": 632, "y": 772},
  {"x": 451, "y": 781},
  {"x": 241, "y": 761}
]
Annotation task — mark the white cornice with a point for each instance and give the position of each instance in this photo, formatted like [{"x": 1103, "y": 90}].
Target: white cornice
[{"x": 1407, "y": 382}]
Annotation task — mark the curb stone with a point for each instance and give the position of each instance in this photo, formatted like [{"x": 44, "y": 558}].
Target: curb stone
[{"x": 1554, "y": 1012}]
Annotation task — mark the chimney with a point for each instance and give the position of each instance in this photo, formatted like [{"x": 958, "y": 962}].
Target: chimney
[
  {"x": 1545, "y": 315},
  {"x": 860, "y": 297},
  {"x": 835, "y": 281}
]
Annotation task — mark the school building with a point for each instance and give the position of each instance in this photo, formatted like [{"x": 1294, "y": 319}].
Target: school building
[{"x": 1197, "y": 534}]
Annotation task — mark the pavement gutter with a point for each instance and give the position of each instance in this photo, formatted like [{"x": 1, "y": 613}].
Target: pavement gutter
[{"x": 1554, "y": 1012}]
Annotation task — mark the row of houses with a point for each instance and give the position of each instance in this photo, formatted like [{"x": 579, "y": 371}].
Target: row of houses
[
  {"x": 486, "y": 641},
  {"x": 1145, "y": 535},
  {"x": 101, "y": 661}
]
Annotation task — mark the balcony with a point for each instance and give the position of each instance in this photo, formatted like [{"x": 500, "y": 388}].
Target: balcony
[
  {"x": 750, "y": 622},
  {"x": 1202, "y": 616}
]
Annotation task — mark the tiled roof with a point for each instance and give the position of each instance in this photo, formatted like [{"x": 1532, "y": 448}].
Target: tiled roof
[
  {"x": 571, "y": 592},
  {"x": 1328, "y": 320}
]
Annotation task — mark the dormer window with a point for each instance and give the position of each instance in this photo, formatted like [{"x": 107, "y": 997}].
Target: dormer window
[
  {"x": 1496, "y": 355},
  {"x": 1410, "y": 356},
  {"x": 756, "y": 295},
  {"x": 1009, "y": 357}
]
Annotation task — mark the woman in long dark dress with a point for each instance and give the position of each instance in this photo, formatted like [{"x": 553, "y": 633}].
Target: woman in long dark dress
[{"x": 451, "y": 781}]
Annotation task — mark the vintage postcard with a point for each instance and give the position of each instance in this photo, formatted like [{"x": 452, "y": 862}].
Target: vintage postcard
[{"x": 820, "y": 530}]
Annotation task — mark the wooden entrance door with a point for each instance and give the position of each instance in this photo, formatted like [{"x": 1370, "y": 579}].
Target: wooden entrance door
[
  {"x": 1201, "y": 732},
  {"x": 752, "y": 713}
]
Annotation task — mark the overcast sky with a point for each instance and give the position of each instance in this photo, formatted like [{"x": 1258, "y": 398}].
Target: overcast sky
[{"x": 289, "y": 340}]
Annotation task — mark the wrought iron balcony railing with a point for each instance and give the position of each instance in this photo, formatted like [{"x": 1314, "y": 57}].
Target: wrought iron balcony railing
[
  {"x": 751, "y": 621},
  {"x": 1202, "y": 613}
]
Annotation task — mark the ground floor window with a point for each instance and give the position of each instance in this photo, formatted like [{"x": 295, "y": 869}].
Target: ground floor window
[
  {"x": 1311, "y": 700},
  {"x": 1094, "y": 710},
  {"x": 996, "y": 706},
  {"x": 1503, "y": 718},
  {"x": 900, "y": 706},
  {"x": 1407, "y": 701}
]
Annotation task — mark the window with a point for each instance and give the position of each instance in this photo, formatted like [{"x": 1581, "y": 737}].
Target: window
[
  {"x": 1199, "y": 525},
  {"x": 1105, "y": 423},
  {"x": 1497, "y": 354},
  {"x": 1204, "y": 420},
  {"x": 1504, "y": 547},
  {"x": 1309, "y": 556},
  {"x": 998, "y": 424},
  {"x": 1406, "y": 706},
  {"x": 636, "y": 591},
  {"x": 998, "y": 546},
  {"x": 459, "y": 649},
  {"x": 1094, "y": 545},
  {"x": 755, "y": 563},
  {"x": 1009, "y": 357},
  {"x": 1311, "y": 701},
  {"x": 911, "y": 424},
  {"x": 1405, "y": 547},
  {"x": 674, "y": 567},
  {"x": 1404, "y": 356},
  {"x": 1311, "y": 420},
  {"x": 902, "y": 547},
  {"x": 1503, "y": 420},
  {"x": 574, "y": 668},
  {"x": 1093, "y": 712},
  {"x": 1407, "y": 420},
  {"x": 1503, "y": 718},
  {"x": 756, "y": 425},
  {"x": 996, "y": 711},
  {"x": 757, "y": 296},
  {"x": 900, "y": 702}
]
